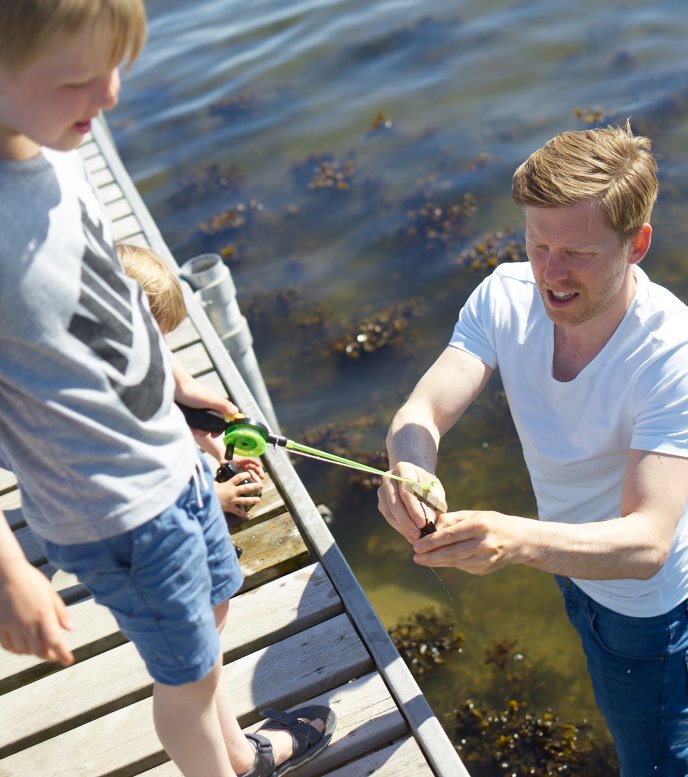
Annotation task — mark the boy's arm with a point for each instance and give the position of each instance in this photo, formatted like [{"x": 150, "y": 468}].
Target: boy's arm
[
  {"x": 32, "y": 615},
  {"x": 191, "y": 392}
]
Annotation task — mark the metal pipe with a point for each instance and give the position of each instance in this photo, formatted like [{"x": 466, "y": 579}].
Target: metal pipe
[{"x": 212, "y": 283}]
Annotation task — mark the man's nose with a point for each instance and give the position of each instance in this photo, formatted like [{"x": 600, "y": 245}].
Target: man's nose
[{"x": 555, "y": 267}]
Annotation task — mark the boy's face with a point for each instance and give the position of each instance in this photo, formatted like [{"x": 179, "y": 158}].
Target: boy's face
[{"x": 52, "y": 100}]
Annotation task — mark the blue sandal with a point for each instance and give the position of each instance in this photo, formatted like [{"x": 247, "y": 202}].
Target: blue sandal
[{"x": 307, "y": 740}]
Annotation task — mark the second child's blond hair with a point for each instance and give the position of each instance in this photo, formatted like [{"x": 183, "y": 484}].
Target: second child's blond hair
[
  {"x": 157, "y": 279},
  {"x": 610, "y": 165},
  {"x": 26, "y": 25}
]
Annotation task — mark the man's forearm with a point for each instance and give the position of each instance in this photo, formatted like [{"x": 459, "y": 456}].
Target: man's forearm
[
  {"x": 413, "y": 436},
  {"x": 620, "y": 548}
]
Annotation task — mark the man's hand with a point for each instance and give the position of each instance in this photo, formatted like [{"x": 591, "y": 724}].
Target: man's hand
[
  {"x": 32, "y": 615},
  {"x": 401, "y": 509},
  {"x": 478, "y": 542}
]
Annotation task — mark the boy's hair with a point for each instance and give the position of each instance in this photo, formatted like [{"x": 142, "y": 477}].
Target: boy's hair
[
  {"x": 26, "y": 24},
  {"x": 609, "y": 165},
  {"x": 156, "y": 278}
]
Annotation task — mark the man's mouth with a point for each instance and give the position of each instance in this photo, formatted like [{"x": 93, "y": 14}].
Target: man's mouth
[{"x": 557, "y": 298}]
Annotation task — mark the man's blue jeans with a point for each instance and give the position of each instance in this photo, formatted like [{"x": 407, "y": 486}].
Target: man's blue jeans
[{"x": 640, "y": 679}]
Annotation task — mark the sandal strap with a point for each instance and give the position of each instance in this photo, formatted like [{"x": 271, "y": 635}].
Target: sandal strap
[
  {"x": 264, "y": 762},
  {"x": 303, "y": 735}
]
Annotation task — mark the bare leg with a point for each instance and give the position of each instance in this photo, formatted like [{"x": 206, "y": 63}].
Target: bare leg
[
  {"x": 187, "y": 723},
  {"x": 241, "y": 752}
]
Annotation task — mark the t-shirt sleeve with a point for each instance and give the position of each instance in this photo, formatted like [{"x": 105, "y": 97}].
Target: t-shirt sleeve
[
  {"x": 474, "y": 330},
  {"x": 661, "y": 423}
]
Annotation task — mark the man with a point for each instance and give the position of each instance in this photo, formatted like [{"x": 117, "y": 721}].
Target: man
[{"x": 594, "y": 362}]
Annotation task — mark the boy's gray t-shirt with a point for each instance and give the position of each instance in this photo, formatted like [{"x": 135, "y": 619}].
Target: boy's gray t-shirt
[{"x": 87, "y": 418}]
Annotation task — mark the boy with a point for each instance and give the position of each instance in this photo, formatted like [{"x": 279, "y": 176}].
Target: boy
[
  {"x": 166, "y": 300},
  {"x": 87, "y": 419}
]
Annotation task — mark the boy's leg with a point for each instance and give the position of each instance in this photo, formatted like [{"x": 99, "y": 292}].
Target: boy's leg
[{"x": 188, "y": 725}]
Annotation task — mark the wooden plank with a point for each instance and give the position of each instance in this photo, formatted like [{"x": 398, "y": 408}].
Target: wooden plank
[
  {"x": 403, "y": 757},
  {"x": 95, "y": 162},
  {"x": 195, "y": 359},
  {"x": 185, "y": 334},
  {"x": 89, "y": 149},
  {"x": 305, "y": 590},
  {"x": 329, "y": 655},
  {"x": 118, "y": 209},
  {"x": 102, "y": 177},
  {"x": 94, "y": 631},
  {"x": 271, "y": 549},
  {"x": 7, "y": 480},
  {"x": 124, "y": 228},
  {"x": 367, "y": 718},
  {"x": 117, "y": 676},
  {"x": 109, "y": 193}
]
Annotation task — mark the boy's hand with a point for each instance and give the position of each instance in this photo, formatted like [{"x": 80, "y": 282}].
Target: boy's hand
[
  {"x": 236, "y": 496},
  {"x": 32, "y": 615},
  {"x": 191, "y": 392}
]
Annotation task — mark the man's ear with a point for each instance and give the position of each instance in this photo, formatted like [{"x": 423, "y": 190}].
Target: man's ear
[{"x": 640, "y": 244}]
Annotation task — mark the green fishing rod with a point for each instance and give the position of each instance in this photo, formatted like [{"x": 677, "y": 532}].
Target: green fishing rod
[{"x": 250, "y": 437}]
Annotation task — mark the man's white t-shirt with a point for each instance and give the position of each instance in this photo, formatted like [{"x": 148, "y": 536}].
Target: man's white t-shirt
[{"x": 576, "y": 435}]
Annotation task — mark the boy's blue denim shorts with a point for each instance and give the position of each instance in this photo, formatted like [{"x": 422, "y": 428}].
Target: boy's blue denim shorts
[
  {"x": 640, "y": 679},
  {"x": 162, "y": 580}
]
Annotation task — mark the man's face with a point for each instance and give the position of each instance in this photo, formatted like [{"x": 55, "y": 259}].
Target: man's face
[
  {"x": 52, "y": 100},
  {"x": 580, "y": 266}
]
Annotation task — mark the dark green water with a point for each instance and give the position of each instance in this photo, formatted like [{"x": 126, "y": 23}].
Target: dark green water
[{"x": 233, "y": 124}]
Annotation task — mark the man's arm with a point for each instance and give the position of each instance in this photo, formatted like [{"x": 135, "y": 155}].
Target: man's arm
[
  {"x": 633, "y": 546},
  {"x": 438, "y": 401},
  {"x": 32, "y": 615}
]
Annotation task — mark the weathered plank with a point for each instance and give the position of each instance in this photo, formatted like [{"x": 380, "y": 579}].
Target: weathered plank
[
  {"x": 400, "y": 758},
  {"x": 329, "y": 655},
  {"x": 117, "y": 676},
  {"x": 184, "y": 334},
  {"x": 118, "y": 209},
  {"x": 367, "y": 718},
  {"x": 7, "y": 480},
  {"x": 126, "y": 227},
  {"x": 271, "y": 549},
  {"x": 195, "y": 359}
]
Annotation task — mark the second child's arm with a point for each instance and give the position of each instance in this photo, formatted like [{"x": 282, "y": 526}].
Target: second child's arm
[{"x": 32, "y": 615}]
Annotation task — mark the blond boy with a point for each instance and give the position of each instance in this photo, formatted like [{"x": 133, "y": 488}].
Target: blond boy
[{"x": 109, "y": 474}]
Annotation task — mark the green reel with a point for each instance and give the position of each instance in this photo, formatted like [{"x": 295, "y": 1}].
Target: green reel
[{"x": 246, "y": 437}]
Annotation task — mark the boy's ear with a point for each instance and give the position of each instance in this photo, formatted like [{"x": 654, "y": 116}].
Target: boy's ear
[{"x": 640, "y": 244}]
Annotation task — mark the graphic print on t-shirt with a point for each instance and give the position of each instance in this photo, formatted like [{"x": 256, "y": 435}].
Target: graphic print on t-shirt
[{"x": 112, "y": 322}]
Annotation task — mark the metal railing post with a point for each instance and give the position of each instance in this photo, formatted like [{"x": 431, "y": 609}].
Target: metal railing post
[{"x": 212, "y": 283}]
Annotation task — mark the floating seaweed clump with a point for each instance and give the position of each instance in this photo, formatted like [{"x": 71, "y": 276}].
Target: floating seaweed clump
[
  {"x": 493, "y": 249},
  {"x": 519, "y": 743},
  {"x": 590, "y": 115},
  {"x": 378, "y": 331},
  {"x": 424, "y": 638},
  {"x": 232, "y": 218},
  {"x": 333, "y": 175},
  {"x": 439, "y": 226},
  {"x": 514, "y": 740},
  {"x": 381, "y": 122}
]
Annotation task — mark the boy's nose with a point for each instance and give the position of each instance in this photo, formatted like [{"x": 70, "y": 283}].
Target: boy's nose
[{"x": 108, "y": 94}]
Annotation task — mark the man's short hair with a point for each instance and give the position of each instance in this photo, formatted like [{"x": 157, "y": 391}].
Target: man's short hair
[
  {"x": 157, "y": 279},
  {"x": 610, "y": 165},
  {"x": 25, "y": 25}
]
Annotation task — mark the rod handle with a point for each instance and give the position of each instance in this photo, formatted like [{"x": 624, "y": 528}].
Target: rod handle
[{"x": 427, "y": 497}]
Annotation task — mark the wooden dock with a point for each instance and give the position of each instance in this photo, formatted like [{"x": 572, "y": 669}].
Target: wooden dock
[{"x": 301, "y": 629}]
